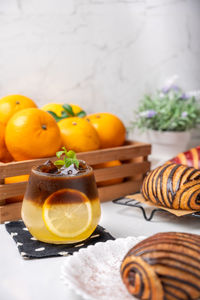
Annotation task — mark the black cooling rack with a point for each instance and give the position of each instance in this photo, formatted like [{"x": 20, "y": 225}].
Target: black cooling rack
[{"x": 143, "y": 208}]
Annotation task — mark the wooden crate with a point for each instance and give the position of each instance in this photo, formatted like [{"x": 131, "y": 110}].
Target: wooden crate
[{"x": 134, "y": 158}]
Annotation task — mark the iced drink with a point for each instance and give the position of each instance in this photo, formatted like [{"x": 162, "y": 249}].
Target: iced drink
[{"x": 61, "y": 205}]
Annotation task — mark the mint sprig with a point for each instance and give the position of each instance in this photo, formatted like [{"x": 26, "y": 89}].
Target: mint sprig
[
  {"x": 69, "y": 158},
  {"x": 67, "y": 113}
]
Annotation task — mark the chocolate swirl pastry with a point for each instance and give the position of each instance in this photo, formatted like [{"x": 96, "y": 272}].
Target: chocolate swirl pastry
[
  {"x": 174, "y": 186},
  {"x": 165, "y": 266}
]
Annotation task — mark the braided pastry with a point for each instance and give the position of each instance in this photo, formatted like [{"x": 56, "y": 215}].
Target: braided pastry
[
  {"x": 190, "y": 158},
  {"x": 165, "y": 266},
  {"x": 174, "y": 186}
]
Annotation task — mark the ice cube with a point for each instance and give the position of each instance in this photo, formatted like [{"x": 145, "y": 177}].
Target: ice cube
[
  {"x": 82, "y": 165},
  {"x": 48, "y": 167},
  {"x": 71, "y": 170}
]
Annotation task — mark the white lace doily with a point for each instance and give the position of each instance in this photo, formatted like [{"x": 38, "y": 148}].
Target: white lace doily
[{"x": 94, "y": 272}]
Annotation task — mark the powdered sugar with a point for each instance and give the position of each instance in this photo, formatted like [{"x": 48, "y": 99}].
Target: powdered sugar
[{"x": 94, "y": 273}]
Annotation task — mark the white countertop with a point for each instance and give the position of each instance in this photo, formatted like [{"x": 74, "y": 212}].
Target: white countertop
[{"x": 39, "y": 279}]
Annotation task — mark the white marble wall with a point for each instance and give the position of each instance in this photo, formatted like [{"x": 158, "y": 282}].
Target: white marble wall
[{"x": 101, "y": 54}]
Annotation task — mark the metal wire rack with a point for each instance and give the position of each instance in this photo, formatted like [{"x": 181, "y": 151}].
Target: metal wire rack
[{"x": 142, "y": 207}]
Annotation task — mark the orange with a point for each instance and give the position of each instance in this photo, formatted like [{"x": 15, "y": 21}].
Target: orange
[
  {"x": 111, "y": 130},
  {"x": 16, "y": 179},
  {"x": 54, "y": 107},
  {"x": 78, "y": 134},
  {"x": 108, "y": 164},
  {"x": 9, "y": 105},
  {"x": 57, "y": 108},
  {"x": 4, "y": 154},
  {"x": 32, "y": 133}
]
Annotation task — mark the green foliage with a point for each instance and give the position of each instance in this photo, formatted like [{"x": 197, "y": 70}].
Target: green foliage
[
  {"x": 170, "y": 110},
  {"x": 68, "y": 159},
  {"x": 67, "y": 113}
]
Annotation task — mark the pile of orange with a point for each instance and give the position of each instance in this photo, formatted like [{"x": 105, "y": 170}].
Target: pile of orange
[
  {"x": 27, "y": 132},
  {"x": 92, "y": 132}
]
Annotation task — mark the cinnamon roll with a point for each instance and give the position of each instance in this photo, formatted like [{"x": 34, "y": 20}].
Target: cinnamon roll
[
  {"x": 165, "y": 266},
  {"x": 174, "y": 186}
]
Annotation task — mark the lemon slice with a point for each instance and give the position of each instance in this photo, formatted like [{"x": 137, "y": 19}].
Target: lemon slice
[{"x": 67, "y": 213}]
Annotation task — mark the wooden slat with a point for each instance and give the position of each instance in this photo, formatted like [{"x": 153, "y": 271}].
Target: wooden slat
[
  {"x": 125, "y": 170},
  {"x": 2, "y": 201},
  {"x": 118, "y": 153},
  {"x": 10, "y": 212},
  {"x": 19, "y": 167},
  {"x": 112, "y": 192},
  {"x": 12, "y": 190},
  {"x": 93, "y": 157}
]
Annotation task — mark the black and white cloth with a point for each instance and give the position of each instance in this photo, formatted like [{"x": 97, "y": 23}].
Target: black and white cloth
[{"x": 30, "y": 248}]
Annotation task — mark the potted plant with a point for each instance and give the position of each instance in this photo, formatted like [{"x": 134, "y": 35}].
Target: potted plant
[{"x": 166, "y": 119}]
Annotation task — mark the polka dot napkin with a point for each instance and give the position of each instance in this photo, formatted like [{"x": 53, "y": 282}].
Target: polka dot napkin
[{"x": 29, "y": 247}]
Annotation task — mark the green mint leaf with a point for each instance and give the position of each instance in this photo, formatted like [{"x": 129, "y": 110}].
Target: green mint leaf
[
  {"x": 65, "y": 150},
  {"x": 68, "y": 162},
  {"x": 71, "y": 161},
  {"x": 76, "y": 162},
  {"x": 59, "y": 163},
  {"x": 81, "y": 114},
  {"x": 68, "y": 109},
  {"x": 59, "y": 154},
  {"x": 71, "y": 154}
]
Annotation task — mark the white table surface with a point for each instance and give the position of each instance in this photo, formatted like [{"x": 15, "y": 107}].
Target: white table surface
[{"x": 39, "y": 279}]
